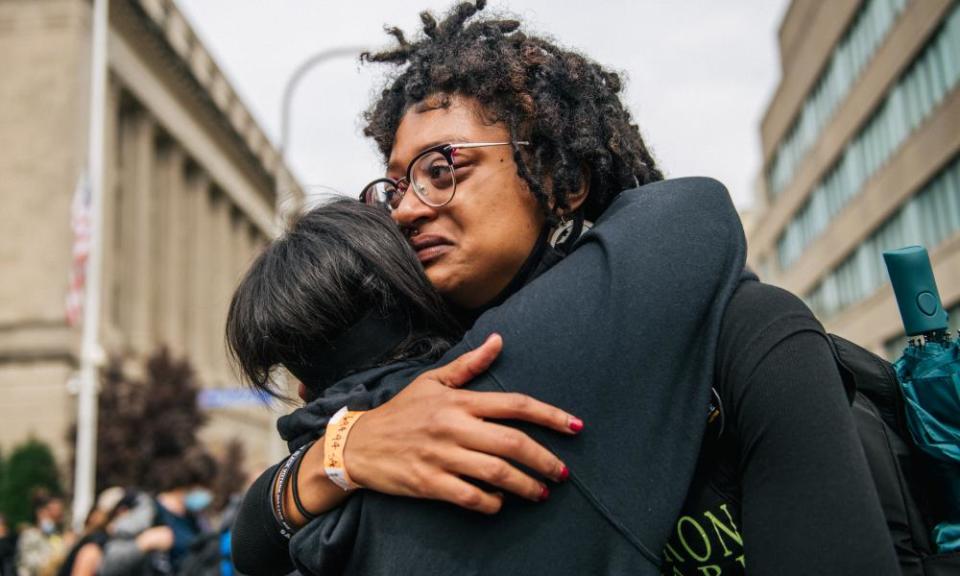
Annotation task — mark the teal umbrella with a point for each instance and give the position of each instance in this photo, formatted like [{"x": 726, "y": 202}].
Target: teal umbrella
[{"x": 929, "y": 374}]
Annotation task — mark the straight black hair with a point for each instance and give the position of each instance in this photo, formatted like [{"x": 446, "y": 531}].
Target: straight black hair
[{"x": 336, "y": 265}]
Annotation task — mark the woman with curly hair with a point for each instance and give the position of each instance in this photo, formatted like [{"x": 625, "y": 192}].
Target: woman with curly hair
[{"x": 501, "y": 150}]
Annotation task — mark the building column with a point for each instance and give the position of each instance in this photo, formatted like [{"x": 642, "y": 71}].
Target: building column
[
  {"x": 178, "y": 232},
  {"x": 198, "y": 265},
  {"x": 238, "y": 260},
  {"x": 221, "y": 284},
  {"x": 169, "y": 238},
  {"x": 240, "y": 255},
  {"x": 110, "y": 229},
  {"x": 249, "y": 247},
  {"x": 137, "y": 158}
]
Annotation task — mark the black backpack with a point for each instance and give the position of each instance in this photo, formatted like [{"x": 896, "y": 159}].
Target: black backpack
[{"x": 911, "y": 496}]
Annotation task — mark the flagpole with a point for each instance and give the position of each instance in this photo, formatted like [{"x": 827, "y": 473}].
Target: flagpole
[{"x": 91, "y": 356}]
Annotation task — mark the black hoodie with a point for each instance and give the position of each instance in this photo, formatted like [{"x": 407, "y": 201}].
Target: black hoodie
[{"x": 621, "y": 333}]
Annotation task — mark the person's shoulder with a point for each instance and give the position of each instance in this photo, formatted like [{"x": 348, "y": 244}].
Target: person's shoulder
[
  {"x": 140, "y": 517},
  {"x": 687, "y": 184},
  {"x": 29, "y": 535},
  {"x": 677, "y": 191},
  {"x": 758, "y": 304},
  {"x": 756, "y": 307},
  {"x": 758, "y": 318},
  {"x": 696, "y": 208}
]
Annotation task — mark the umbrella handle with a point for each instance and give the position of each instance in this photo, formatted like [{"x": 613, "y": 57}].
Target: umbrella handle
[{"x": 916, "y": 290}]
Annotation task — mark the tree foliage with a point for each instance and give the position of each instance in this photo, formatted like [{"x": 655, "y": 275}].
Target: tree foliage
[
  {"x": 144, "y": 423},
  {"x": 31, "y": 466}
]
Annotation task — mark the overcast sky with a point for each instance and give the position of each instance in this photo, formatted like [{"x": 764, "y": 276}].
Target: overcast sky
[{"x": 699, "y": 73}]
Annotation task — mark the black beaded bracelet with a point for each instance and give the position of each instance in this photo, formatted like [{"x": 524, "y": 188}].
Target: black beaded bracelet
[{"x": 296, "y": 492}]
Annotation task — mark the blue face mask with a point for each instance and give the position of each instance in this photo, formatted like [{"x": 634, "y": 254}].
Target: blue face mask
[
  {"x": 197, "y": 500},
  {"x": 47, "y": 526}
]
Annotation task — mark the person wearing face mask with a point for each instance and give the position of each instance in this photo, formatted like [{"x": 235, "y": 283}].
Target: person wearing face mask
[
  {"x": 85, "y": 556},
  {"x": 157, "y": 534},
  {"x": 41, "y": 548}
]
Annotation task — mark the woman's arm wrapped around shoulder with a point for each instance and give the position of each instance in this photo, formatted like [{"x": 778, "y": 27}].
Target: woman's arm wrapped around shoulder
[
  {"x": 662, "y": 260},
  {"x": 809, "y": 503},
  {"x": 259, "y": 546}
]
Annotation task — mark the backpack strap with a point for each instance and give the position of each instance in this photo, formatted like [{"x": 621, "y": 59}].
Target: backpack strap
[
  {"x": 878, "y": 412},
  {"x": 847, "y": 375},
  {"x": 865, "y": 372}
]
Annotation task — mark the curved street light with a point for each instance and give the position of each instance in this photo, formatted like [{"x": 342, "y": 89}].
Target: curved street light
[
  {"x": 292, "y": 83},
  {"x": 288, "y": 91}
]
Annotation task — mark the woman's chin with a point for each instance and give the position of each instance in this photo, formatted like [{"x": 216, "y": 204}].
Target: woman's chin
[
  {"x": 440, "y": 279},
  {"x": 450, "y": 286}
]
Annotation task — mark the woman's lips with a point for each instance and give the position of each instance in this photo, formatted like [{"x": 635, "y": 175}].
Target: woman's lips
[{"x": 430, "y": 248}]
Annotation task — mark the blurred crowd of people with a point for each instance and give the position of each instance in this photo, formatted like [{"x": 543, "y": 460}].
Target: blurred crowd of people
[{"x": 129, "y": 531}]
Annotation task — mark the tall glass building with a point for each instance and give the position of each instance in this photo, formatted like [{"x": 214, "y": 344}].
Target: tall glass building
[{"x": 861, "y": 148}]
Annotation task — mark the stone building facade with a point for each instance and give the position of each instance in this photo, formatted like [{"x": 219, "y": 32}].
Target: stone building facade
[
  {"x": 188, "y": 195},
  {"x": 861, "y": 148}
]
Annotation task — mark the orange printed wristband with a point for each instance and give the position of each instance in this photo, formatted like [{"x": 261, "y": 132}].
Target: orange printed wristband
[{"x": 333, "y": 443}]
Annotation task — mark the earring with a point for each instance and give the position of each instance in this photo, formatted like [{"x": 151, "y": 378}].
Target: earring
[
  {"x": 561, "y": 233},
  {"x": 568, "y": 231}
]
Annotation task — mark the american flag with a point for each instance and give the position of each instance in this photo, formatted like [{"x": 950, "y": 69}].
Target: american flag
[{"x": 80, "y": 223}]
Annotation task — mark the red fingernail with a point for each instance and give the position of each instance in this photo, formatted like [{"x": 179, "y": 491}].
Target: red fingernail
[
  {"x": 564, "y": 473},
  {"x": 544, "y": 493},
  {"x": 576, "y": 424}
]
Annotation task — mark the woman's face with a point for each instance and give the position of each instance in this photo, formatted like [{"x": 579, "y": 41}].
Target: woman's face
[{"x": 472, "y": 247}]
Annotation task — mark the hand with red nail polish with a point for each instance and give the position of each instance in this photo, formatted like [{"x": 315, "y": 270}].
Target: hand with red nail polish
[{"x": 431, "y": 436}]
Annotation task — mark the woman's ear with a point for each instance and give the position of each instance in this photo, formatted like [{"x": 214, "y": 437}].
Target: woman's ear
[{"x": 576, "y": 199}]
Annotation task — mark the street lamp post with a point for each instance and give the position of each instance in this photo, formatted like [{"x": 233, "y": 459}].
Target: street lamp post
[{"x": 282, "y": 182}]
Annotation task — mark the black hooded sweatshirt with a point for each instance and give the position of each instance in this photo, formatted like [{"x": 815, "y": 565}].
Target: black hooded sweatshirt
[{"x": 622, "y": 333}]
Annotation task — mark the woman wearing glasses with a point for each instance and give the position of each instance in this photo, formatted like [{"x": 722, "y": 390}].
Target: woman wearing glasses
[{"x": 508, "y": 141}]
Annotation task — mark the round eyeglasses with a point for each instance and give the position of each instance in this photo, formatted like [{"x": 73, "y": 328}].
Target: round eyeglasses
[{"x": 431, "y": 174}]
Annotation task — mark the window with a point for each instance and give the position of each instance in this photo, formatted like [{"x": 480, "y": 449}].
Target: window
[
  {"x": 855, "y": 49},
  {"x": 923, "y": 86},
  {"x": 928, "y": 219}
]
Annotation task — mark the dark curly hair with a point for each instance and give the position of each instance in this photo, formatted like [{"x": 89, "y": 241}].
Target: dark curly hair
[{"x": 566, "y": 105}]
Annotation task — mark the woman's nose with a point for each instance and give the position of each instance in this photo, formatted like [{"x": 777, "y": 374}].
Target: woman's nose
[{"x": 411, "y": 211}]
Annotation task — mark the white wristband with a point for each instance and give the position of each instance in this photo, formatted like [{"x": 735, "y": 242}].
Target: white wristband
[{"x": 334, "y": 442}]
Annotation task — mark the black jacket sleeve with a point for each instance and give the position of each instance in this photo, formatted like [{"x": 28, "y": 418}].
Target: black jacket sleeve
[
  {"x": 255, "y": 542},
  {"x": 809, "y": 505},
  {"x": 623, "y": 334}
]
